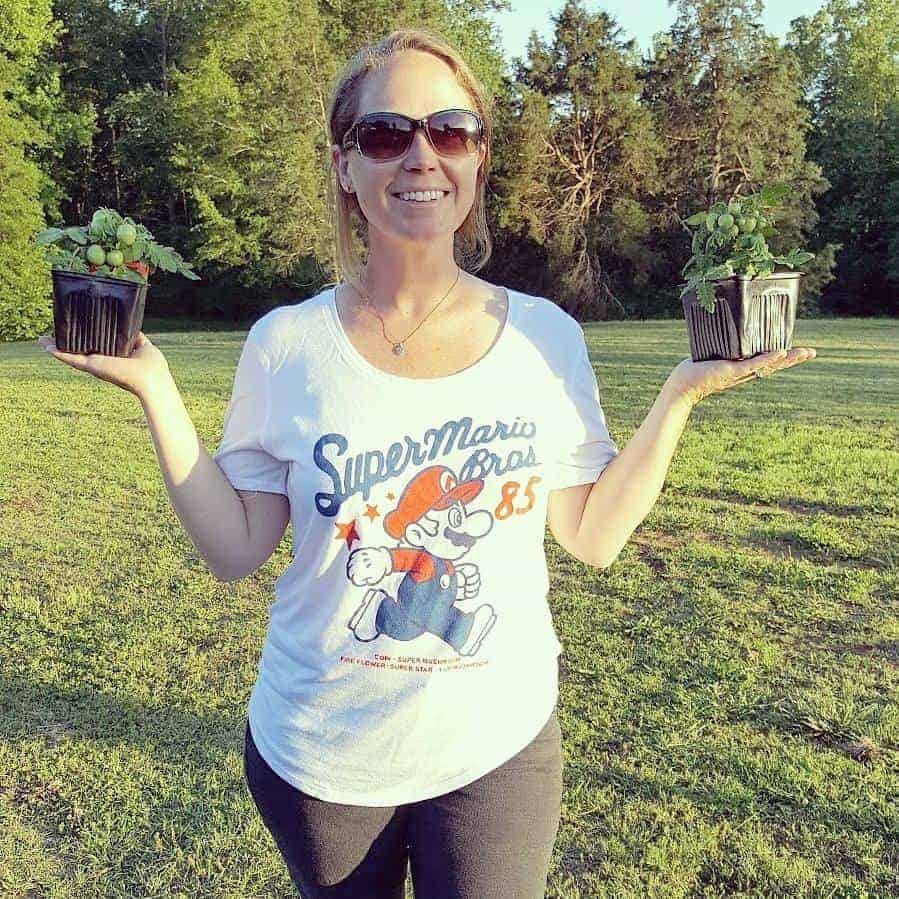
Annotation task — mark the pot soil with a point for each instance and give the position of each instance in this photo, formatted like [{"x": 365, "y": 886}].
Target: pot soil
[
  {"x": 94, "y": 314},
  {"x": 751, "y": 316}
]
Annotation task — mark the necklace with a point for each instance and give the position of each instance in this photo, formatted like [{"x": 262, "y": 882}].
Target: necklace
[{"x": 399, "y": 346}]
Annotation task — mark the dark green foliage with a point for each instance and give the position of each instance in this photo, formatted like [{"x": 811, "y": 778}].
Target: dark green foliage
[
  {"x": 850, "y": 69},
  {"x": 206, "y": 121}
]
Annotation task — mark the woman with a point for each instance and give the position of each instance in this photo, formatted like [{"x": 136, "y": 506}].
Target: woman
[{"x": 419, "y": 427}]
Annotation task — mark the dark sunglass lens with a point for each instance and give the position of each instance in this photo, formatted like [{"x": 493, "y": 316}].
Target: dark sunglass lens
[
  {"x": 384, "y": 137},
  {"x": 455, "y": 133}
]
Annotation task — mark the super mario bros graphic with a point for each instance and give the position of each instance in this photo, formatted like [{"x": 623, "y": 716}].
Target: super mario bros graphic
[{"x": 434, "y": 528}]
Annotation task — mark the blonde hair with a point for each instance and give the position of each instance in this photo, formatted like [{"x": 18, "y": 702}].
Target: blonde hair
[{"x": 472, "y": 242}]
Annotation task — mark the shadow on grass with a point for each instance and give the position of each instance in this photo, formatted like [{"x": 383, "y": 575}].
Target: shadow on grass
[
  {"x": 794, "y": 507},
  {"x": 194, "y": 743},
  {"x": 168, "y": 733}
]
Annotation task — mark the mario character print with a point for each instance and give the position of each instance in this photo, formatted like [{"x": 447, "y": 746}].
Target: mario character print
[{"x": 434, "y": 529}]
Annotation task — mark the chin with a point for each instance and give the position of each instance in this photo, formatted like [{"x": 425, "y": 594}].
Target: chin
[{"x": 421, "y": 235}]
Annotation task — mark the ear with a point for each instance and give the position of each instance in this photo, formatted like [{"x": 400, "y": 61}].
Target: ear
[{"x": 341, "y": 165}]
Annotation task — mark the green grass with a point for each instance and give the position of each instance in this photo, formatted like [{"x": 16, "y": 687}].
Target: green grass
[{"x": 729, "y": 685}]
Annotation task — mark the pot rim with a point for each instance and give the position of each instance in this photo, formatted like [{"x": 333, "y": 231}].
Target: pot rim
[
  {"x": 54, "y": 272},
  {"x": 776, "y": 276}
]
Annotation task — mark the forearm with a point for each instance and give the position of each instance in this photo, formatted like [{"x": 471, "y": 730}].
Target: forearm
[
  {"x": 208, "y": 507},
  {"x": 630, "y": 484}
]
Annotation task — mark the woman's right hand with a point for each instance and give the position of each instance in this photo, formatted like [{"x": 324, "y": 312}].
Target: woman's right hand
[{"x": 136, "y": 373}]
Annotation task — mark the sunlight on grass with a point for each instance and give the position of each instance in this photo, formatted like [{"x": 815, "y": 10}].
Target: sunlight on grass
[{"x": 729, "y": 684}]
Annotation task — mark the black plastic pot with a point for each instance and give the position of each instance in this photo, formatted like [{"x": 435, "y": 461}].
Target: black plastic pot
[
  {"x": 751, "y": 316},
  {"x": 94, "y": 314}
]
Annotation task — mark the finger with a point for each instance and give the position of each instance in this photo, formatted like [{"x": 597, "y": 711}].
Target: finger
[
  {"x": 76, "y": 360},
  {"x": 795, "y": 356},
  {"x": 801, "y": 354},
  {"x": 769, "y": 363},
  {"x": 763, "y": 364}
]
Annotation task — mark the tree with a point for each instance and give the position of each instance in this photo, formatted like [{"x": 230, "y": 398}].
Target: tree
[
  {"x": 725, "y": 100},
  {"x": 521, "y": 171},
  {"x": 588, "y": 153},
  {"x": 849, "y": 64},
  {"x": 24, "y": 275},
  {"x": 93, "y": 63},
  {"x": 251, "y": 104}
]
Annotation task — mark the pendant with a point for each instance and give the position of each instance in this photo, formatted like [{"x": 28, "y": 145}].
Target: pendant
[{"x": 398, "y": 349}]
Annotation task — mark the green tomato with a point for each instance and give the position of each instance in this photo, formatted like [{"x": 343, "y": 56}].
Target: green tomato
[
  {"x": 114, "y": 258},
  {"x": 126, "y": 234},
  {"x": 98, "y": 220},
  {"x": 747, "y": 226},
  {"x": 725, "y": 222},
  {"x": 734, "y": 208},
  {"x": 96, "y": 254}
]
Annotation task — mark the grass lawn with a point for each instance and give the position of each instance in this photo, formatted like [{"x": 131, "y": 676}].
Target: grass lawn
[{"x": 729, "y": 685}]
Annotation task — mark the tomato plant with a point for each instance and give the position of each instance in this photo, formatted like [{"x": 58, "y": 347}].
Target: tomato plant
[
  {"x": 112, "y": 246},
  {"x": 730, "y": 239}
]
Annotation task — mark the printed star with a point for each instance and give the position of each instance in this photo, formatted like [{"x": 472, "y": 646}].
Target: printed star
[
  {"x": 371, "y": 511},
  {"x": 347, "y": 532},
  {"x": 391, "y": 496}
]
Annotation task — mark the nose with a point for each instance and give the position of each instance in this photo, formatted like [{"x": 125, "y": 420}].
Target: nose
[{"x": 421, "y": 155}]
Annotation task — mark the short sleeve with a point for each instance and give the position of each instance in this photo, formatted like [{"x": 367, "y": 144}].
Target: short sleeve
[
  {"x": 242, "y": 454},
  {"x": 584, "y": 445}
]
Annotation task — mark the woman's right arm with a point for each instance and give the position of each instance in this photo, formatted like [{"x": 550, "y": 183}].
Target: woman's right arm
[{"x": 234, "y": 537}]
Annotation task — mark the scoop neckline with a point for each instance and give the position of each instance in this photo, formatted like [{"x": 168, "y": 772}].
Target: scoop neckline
[{"x": 355, "y": 357}]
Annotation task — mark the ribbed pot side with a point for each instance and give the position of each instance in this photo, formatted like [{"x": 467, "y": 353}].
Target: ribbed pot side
[
  {"x": 751, "y": 316},
  {"x": 93, "y": 314}
]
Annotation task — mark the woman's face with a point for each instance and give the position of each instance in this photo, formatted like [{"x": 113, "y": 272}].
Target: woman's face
[{"x": 416, "y": 84}]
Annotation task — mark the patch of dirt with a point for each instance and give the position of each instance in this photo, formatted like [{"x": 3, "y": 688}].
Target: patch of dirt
[
  {"x": 889, "y": 649},
  {"x": 21, "y": 504},
  {"x": 646, "y": 551}
]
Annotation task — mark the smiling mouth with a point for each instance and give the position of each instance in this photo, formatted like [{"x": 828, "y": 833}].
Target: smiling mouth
[{"x": 429, "y": 202}]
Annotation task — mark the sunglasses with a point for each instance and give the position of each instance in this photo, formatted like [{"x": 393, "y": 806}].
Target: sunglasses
[{"x": 388, "y": 135}]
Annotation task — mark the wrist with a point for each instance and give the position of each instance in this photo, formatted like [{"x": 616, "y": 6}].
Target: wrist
[
  {"x": 676, "y": 395},
  {"x": 160, "y": 388}
]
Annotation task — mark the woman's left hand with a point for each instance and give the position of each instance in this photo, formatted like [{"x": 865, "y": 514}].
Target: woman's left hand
[{"x": 697, "y": 380}]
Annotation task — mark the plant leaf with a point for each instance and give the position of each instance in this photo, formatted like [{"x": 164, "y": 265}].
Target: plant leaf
[
  {"x": 77, "y": 235},
  {"x": 129, "y": 275},
  {"x": 48, "y": 236},
  {"x": 165, "y": 260},
  {"x": 719, "y": 271},
  {"x": 706, "y": 295}
]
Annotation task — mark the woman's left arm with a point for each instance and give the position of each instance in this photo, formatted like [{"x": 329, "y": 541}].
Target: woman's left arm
[{"x": 630, "y": 484}]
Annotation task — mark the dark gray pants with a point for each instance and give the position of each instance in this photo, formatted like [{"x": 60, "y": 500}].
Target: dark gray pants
[{"x": 491, "y": 839}]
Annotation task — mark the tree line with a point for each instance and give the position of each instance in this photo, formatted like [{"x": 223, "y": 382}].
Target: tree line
[{"x": 205, "y": 120}]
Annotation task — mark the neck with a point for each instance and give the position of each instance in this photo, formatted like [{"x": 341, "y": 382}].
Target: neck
[{"x": 407, "y": 282}]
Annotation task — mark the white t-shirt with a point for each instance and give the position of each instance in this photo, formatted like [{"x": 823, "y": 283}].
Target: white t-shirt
[{"x": 410, "y": 648}]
